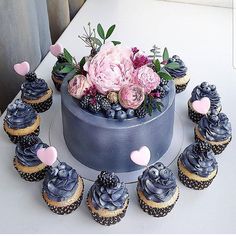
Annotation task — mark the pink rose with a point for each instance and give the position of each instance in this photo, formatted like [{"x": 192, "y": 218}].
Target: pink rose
[
  {"x": 131, "y": 96},
  {"x": 78, "y": 85},
  {"x": 111, "y": 68},
  {"x": 147, "y": 78}
]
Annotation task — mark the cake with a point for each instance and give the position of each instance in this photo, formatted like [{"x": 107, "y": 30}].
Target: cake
[{"x": 119, "y": 100}]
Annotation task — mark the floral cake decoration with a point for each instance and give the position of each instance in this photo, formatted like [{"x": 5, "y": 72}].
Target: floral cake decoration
[{"x": 116, "y": 81}]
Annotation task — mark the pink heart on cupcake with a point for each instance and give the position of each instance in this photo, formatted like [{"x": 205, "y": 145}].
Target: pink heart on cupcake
[
  {"x": 47, "y": 155},
  {"x": 141, "y": 157},
  {"x": 202, "y": 106},
  {"x": 22, "y": 68},
  {"x": 56, "y": 49}
]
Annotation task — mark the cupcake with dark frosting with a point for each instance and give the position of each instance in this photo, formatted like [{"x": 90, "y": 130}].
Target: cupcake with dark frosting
[
  {"x": 181, "y": 78},
  {"x": 197, "y": 166},
  {"x": 26, "y": 161},
  {"x": 35, "y": 92},
  {"x": 108, "y": 199},
  {"x": 199, "y": 92},
  {"x": 157, "y": 190},
  {"x": 62, "y": 189},
  {"x": 215, "y": 129},
  {"x": 21, "y": 120}
]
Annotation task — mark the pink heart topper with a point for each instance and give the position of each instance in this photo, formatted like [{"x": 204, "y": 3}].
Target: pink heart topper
[
  {"x": 47, "y": 155},
  {"x": 56, "y": 49},
  {"x": 202, "y": 106},
  {"x": 22, "y": 68},
  {"x": 142, "y": 156}
]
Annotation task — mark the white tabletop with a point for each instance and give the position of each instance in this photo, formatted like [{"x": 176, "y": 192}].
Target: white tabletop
[{"x": 202, "y": 36}]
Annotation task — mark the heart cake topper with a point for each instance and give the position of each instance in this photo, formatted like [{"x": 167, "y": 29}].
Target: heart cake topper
[
  {"x": 202, "y": 106},
  {"x": 47, "y": 155},
  {"x": 56, "y": 49},
  {"x": 22, "y": 68},
  {"x": 141, "y": 157}
]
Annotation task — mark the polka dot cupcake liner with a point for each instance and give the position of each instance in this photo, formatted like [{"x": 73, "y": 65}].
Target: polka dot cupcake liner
[
  {"x": 57, "y": 84},
  {"x": 180, "y": 88},
  {"x": 193, "y": 115},
  {"x": 42, "y": 106}
]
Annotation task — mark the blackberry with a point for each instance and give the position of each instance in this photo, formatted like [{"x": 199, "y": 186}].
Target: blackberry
[
  {"x": 99, "y": 97},
  {"x": 161, "y": 91},
  {"x": 28, "y": 141},
  {"x": 202, "y": 146},
  {"x": 163, "y": 82},
  {"x": 61, "y": 58},
  {"x": 84, "y": 102},
  {"x": 31, "y": 76},
  {"x": 141, "y": 112},
  {"x": 105, "y": 104},
  {"x": 94, "y": 106},
  {"x": 108, "y": 179}
]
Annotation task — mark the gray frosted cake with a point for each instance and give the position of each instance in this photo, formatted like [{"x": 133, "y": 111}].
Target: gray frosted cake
[{"x": 119, "y": 100}]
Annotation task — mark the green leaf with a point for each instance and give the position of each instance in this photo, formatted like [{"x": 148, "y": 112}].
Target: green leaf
[
  {"x": 157, "y": 65},
  {"x": 164, "y": 75},
  {"x": 100, "y": 31},
  {"x": 160, "y": 104},
  {"x": 172, "y": 65},
  {"x": 110, "y": 31},
  {"x": 67, "y": 69},
  {"x": 116, "y": 42},
  {"x": 149, "y": 109},
  {"x": 97, "y": 41},
  {"x": 82, "y": 62},
  {"x": 165, "y": 55},
  {"x": 68, "y": 56}
]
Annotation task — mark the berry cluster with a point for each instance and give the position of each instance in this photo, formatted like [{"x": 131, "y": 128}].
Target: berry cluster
[
  {"x": 108, "y": 179},
  {"x": 28, "y": 141},
  {"x": 31, "y": 76},
  {"x": 61, "y": 58},
  {"x": 163, "y": 88},
  {"x": 202, "y": 146}
]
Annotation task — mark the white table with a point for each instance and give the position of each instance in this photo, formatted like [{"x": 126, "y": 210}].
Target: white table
[{"x": 202, "y": 36}]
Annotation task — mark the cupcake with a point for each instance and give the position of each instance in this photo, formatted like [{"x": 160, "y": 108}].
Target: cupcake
[
  {"x": 26, "y": 161},
  {"x": 108, "y": 199},
  {"x": 215, "y": 129},
  {"x": 199, "y": 92},
  {"x": 62, "y": 189},
  {"x": 197, "y": 166},
  {"x": 21, "y": 120},
  {"x": 181, "y": 78},
  {"x": 157, "y": 190}
]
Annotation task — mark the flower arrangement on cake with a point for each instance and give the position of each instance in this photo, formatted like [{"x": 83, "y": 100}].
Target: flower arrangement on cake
[{"x": 116, "y": 81}]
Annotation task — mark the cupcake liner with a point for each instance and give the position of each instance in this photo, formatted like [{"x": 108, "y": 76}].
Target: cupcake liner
[
  {"x": 193, "y": 184},
  {"x": 56, "y": 83},
  {"x": 16, "y": 138},
  {"x": 193, "y": 115},
  {"x": 65, "y": 210},
  {"x": 107, "y": 221},
  {"x": 216, "y": 148},
  {"x": 31, "y": 177},
  {"x": 154, "y": 211},
  {"x": 42, "y": 106},
  {"x": 180, "y": 87}
]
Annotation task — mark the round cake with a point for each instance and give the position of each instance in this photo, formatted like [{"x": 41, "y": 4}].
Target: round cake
[{"x": 101, "y": 143}]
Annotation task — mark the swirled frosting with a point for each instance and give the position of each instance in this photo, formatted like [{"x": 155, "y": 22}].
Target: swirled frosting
[
  {"x": 61, "y": 182},
  {"x": 107, "y": 197},
  {"x": 179, "y": 72},
  {"x": 28, "y": 156},
  {"x": 56, "y": 71},
  {"x": 20, "y": 115},
  {"x": 215, "y": 127},
  {"x": 201, "y": 163},
  {"x": 34, "y": 89},
  {"x": 206, "y": 90},
  {"x": 157, "y": 183}
]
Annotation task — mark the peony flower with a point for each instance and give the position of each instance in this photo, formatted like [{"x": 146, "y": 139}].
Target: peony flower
[
  {"x": 146, "y": 78},
  {"x": 131, "y": 96},
  {"x": 78, "y": 85},
  {"x": 111, "y": 68}
]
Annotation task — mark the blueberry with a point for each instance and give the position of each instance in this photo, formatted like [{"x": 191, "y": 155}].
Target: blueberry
[
  {"x": 164, "y": 173},
  {"x": 204, "y": 84},
  {"x": 166, "y": 88},
  {"x": 110, "y": 113},
  {"x": 159, "y": 166},
  {"x": 62, "y": 166},
  {"x": 62, "y": 173},
  {"x": 170, "y": 60},
  {"x": 214, "y": 118},
  {"x": 18, "y": 101},
  {"x": 206, "y": 89},
  {"x": 214, "y": 112},
  {"x": 116, "y": 107},
  {"x": 153, "y": 172},
  {"x": 176, "y": 57},
  {"x": 21, "y": 106},
  {"x": 213, "y": 87},
  {"x": 130, "y": 113},
  {"x": 121, "y": 115},
  {"x": 54, "y": 171},
  {"x": 11, "y": 107}
]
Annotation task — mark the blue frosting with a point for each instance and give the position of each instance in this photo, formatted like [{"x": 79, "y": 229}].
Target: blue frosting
[
  {"x": 109, "y": 198},
  {"x": 179, "y": 72},
  {"x": 33, "y": 90},
  {"x": 215, "y": 127},
  {"x": 20, "y": 115},
  {"x": 157, "y": 183},
  {"x": 28, "y": 156},
  {"x": 61, "y": 182},
  {"x": 206, "y": 90},
  {"x": 201, "y": 163}
]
